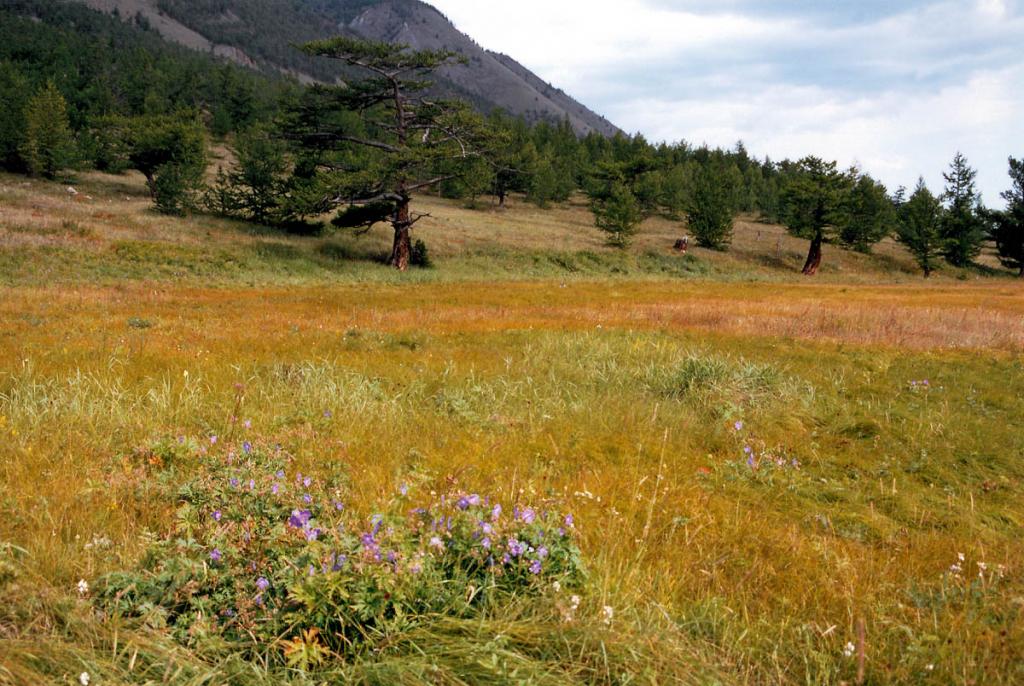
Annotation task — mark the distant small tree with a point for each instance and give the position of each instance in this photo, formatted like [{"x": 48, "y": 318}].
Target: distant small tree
[
  {"x": 48, "y": 142},
  {"x": 1008, "y": 225},
  {"x": 677, "y": 188},
  {"x": 543, "y": 186},
  {"x": 254, "y": 188},
  {"x": 13, "y": 100},
  {"x": 618, "y": 214},
  {"x": 813, "y": 202},
  {"x": 920, "y": 228},
  {"x": 963, "y": 224},
  {"x": 713, "y": 210},
  {"x": 869, "y": 215},
  {"x": 169, "y": 150}
]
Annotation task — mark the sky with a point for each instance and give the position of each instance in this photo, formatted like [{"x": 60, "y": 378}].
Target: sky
[{"x": 896, "y": 88}]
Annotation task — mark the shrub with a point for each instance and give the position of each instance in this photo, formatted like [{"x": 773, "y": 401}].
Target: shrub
[
  {"x": 420, "y": 256},
  {"x": 261, "y": 556},
  {"x": 176, "y": 188}
]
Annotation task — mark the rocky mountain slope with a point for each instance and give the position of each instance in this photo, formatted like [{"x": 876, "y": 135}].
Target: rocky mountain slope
[{"x": 261, "y": 33}]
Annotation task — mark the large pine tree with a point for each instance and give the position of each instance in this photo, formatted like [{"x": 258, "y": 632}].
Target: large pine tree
[
  {"x": 814, "y": 199},
  {"x": 963, "y": 226},
  {"x": 366, "y": 147}
]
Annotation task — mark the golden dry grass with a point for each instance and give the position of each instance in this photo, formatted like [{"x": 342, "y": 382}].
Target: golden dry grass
[{"x": 616, "y": 395}]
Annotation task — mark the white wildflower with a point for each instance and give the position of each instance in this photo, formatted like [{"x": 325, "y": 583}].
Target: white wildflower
[
  {"x": 84, "y": 678},
  {"x": 929, "y": 668},
  {"x": 83, "y": 587},
  {"x": 557, "y": 587},
  {"x": 608, "y": 613},
  {"x": 849, "y": 650},
  {"x": 575, "y": 601}
]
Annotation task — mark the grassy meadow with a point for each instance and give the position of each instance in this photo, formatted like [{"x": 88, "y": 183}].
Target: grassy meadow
[{"x": 773, "y": 480}]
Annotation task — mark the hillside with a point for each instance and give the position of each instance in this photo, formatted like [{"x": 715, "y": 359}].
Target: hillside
[
  {"x": 108, "y": 232},
  {"x": 261, "y": 34}
]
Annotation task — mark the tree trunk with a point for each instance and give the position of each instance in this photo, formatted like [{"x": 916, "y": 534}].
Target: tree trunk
[
  {"x": 501, "y": 198},
  {"x": 814, "y": 256},
  {"x": 402, "y": 249},
  {"x": 151, "y": 185},
  {"x": 1021, "y": 274}
]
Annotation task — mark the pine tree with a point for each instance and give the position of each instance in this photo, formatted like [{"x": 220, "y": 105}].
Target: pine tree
[
  {"x": 13, "y": 89},
  {"x": 920, "y": 228},
  {"x": 366, "y": 147},
  {"x": 813, "y": 201},
  {"x": 869, "y": 216},
  {"x": 1008, "y": 225},
  {"x": 713, "y": 208},
  {"x": 618, "y": 214},
  {"x": 543, "y": 187},
  {"x": 48, "y": 143},
  {"x": 963, "y": 226}
]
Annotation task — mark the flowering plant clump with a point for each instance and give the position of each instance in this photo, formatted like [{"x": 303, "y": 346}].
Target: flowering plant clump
[{"x": 263, "y": 556}]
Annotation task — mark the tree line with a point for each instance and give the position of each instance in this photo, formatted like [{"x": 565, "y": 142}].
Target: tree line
[{"x": 360, "y": 152}]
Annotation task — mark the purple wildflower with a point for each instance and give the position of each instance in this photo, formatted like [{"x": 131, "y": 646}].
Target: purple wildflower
[
  {"x": 570, "y": 522},
  {"x": 313, "y": 534},
  {"x": 474, "y": 500},
  {"x": 535, "y": 567},
  {"x": 368, "y": 540},
  {"x": 307, "y": 498},
  {"x": 738, "y": 426},
  {"x": 247, "y": 447},
  {"x": 528, "y": 515},
  {"x": 750, "y": 462},
  {"x": 542, "y": 553},
  {"x": 496, "y": 513},
  {"x": 338, "y": 505},
  {"x": 275, "y": 489},
  {"x": 307, "y": 482},
  {"x": 463, "y": 503},
  {"x": 515, "y": 547},
  {"x": 436, "y": 542},
  {"x": 247, "y": 423},
  {"x": 217, "y": 515},
  {"x": 213, "y": 440},
  {"x": 486, "y": 543},
  {"x": 403, "y": 490},
  {"x": 234, "y": 483},
  {"x": 486, "y": 528},
  {"x": 215, "y": 555},
  {"x": 300, "y": 518},
  {"x": 262, "y": 583},
  {"x": 280, "y": 474},
  {"x": 259, "y": 599},
  {"x": 252, "y": 484}
]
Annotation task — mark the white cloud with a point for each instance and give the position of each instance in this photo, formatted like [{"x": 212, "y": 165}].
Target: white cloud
[{"x": 896, "y": 88}]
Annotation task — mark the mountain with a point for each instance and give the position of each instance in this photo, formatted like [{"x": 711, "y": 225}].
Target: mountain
[{"x": 261, "y": 33}]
